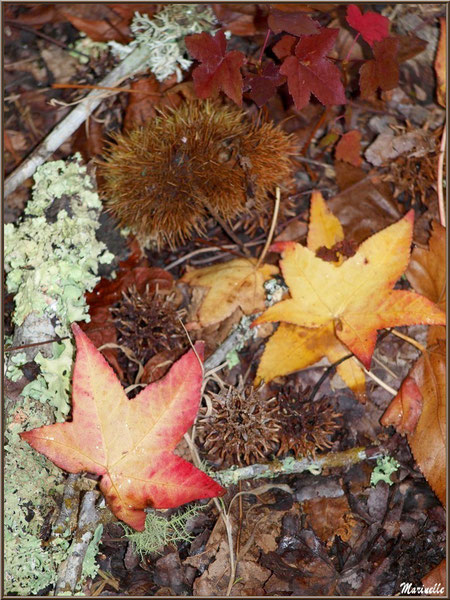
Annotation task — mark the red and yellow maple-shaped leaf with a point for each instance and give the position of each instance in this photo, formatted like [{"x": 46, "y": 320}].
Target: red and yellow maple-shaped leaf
[
  {"x": 219, "y": 69},
  {"x": 372, "y": 26},
  {"x": 309, "y": 71},
  {"x": 356, "y": 297},
  {"x": 129, "y": 443},
  {"x": 233, "y": 284}
]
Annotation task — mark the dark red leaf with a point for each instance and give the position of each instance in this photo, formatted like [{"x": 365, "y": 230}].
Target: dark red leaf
[
  {"x": 237, "y": 18},
  {"x": 264, "y": 86},
  {"x": 372, "y": 26},
  {"x": 219, "y": 70},
  {"x": 381, "y": 72},
  {"x": 309, "y": 72},
  {"x": 348, "y": 148},
  {"x": 285, "y": 46},
  {"x": 295, "y": 23}
]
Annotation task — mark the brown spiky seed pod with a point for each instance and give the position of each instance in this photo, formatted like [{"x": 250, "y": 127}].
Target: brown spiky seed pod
[
  {"x": 242, "y": 427},
  {"x": 147, "y": 324},
  {"x": 306, "y": 426},
  {"x": 201, "y": 159}
]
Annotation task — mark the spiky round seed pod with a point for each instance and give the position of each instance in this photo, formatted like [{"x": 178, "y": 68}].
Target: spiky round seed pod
[
  {"x": 306, "y": 426},
  {"x": 242, "y": 428},
  {"x": 201, "y": 159},
  {"x": 147, "y": 324}
]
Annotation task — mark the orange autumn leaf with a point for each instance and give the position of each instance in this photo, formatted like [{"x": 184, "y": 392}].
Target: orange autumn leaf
[
  {"x": 292, "y": 347},
  {"x": 129, "y": 443},
  {"x": 357, "y": 297},
  {"x": 236, "y": 283},
  {"x": 436, "y": 580}
]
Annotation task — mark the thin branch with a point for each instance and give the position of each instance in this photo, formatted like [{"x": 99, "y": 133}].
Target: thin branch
[
  {"x": 132, "y": 64},
  {"x": 410, "y": 340},
  {"x": 380, "y": 382}
]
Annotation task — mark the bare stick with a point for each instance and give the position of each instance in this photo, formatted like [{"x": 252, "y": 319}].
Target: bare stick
[
  {"x": 128, "y": 67},
  {"x": 440, "y": 181},
  {"x": 289, "y": 465}
]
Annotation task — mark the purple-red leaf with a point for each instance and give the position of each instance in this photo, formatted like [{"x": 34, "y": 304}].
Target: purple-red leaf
[
  {"x": 310, "y": 72},
  {"x": 382, "y": 71},
  {"x": 296, "y": 23},
  {"x": 219, "y": 69},
  {"x": 262, "y": 87},
  {"x": 372, "y": 26},
  {"x": 129, "y": 443}
]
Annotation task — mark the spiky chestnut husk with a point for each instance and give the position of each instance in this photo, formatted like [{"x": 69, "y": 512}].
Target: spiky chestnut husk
[
  {"x": 201, "y": 159},
  {"x": 242, "y": 428},
  {"x": 147, "y": 324},
  {"x": 306, "y": 426}
]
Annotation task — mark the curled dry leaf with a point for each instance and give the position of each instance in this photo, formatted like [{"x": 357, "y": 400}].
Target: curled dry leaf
[
  {"x": 351, "y": 300},
  {"x": 129, "y": 443},
  {"x": 236, "y": 283},
  {"x": 440, "y": 63}
]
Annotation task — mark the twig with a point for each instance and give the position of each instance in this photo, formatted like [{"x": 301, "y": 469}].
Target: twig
[
  {"x": 128, "y": 67},
  {"x": 440, "y": 177},
  {"x": 410, "y": 340},
  {"x": 71, "y": 569},
  {"x": 290, "y": 465},
  {"x": 380, "y": 382},
  {"x": 272, "y": 228}
]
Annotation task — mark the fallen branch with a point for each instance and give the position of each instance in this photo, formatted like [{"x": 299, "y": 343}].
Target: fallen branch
[
  {"x": 71, "y": 569},
  {"x": 131, "y": 65},
  {"x": 289, "y": 465}
]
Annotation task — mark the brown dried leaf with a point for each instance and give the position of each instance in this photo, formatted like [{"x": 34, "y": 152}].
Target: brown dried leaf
[{"x": 437, "y": 577}]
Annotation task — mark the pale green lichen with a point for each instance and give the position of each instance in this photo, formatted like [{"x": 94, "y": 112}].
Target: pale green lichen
[
  {"x": 14, "y": 371},
  {"x": 90, "y": 566},
  {"x": 52, "y": 386},
  {"x": 386, "y": 465},
  {"x": 164, "y": 34},
  {"x": 89, "y": 49},
  {"x": 52, "y": 258},
  {"x": 160, "y": 531}
]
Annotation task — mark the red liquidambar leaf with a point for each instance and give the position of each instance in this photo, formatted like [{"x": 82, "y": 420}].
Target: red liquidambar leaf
[
  {"x": 129, "y": 443},
  {"x": 220, "y": 70},
  {"x": 381, "y": 72},
  {"x": 264, "y": 86},
  {"x": 309, "y": 72},
  {"x": 295, "y": 23},
  {"x": 372, "y": 26},
  {"x": 285, "y": 47},
  {"x": 348, "y": 148}
]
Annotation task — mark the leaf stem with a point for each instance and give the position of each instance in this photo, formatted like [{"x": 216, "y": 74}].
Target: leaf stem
[
  {"x": 440, "y": 177},
  {"x": 272, "y": 229},
  {"x": 351, "y": 48},
  {"x": 410, "y": 340}
]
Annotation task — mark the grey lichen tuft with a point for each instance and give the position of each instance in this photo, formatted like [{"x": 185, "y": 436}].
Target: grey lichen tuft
[
  {"x": 160, "y": 531},
  {"x": 164, "y": 35}
]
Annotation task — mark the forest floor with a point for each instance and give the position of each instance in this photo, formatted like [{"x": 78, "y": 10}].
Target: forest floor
[{"x": 327, "y": 532}]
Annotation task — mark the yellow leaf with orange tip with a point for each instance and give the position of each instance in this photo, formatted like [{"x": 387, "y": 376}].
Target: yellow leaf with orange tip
[
  {"x": 236, "y": 283},
  {"x": 292, "y": 348},
  {"x": 324, "y": 228},
  {"x": 440, "y": 63},
  {"x": 357, "y": 297}
]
